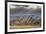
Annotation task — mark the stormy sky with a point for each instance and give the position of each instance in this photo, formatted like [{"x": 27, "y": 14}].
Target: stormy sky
[
  {"x": 20, "y": 10},
  {"x": 24, "y": 9}
]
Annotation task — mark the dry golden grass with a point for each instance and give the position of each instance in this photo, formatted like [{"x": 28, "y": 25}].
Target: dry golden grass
[
  {"x": 23, "y": 27},
  {"x": 22, "y": 23}
]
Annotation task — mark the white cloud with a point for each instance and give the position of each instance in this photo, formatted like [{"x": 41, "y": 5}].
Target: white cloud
[
  {"x": 32, "y": 6},
  {"x": 12, "y": 7}
]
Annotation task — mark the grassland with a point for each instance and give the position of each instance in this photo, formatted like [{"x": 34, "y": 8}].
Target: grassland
[{"x": 22, "y": 23}]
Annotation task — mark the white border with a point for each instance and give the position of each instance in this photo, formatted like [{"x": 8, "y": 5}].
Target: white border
[{"x": 32, "y": 29}]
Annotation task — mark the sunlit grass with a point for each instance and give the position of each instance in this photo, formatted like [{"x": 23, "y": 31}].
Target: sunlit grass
[{"x": 23, "y": 27}]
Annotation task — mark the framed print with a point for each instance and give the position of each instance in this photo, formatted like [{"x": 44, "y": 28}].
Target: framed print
[{"x": 22, "y": 16}]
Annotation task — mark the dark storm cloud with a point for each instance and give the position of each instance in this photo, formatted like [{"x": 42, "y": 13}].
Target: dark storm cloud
[
  {"x": 20, "y": 5},
  {"x": 19, "y": 9}
]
